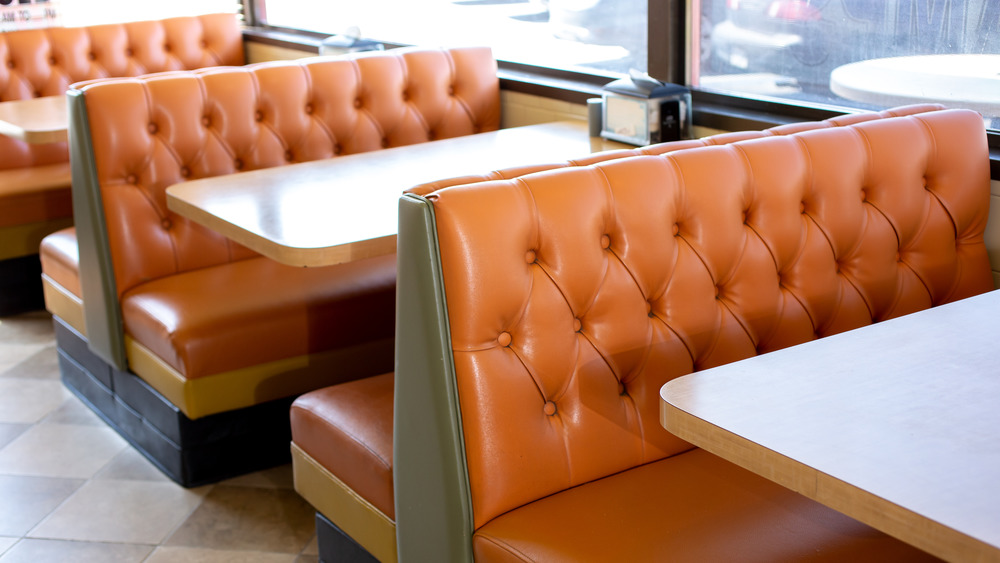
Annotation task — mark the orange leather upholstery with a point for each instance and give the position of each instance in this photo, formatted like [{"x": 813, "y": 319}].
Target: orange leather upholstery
[
  {"x": 572, "y": 295},
  {"x": 337, "y": 415},
  {"x": 671, "y": 146},
  {"x": 44, "y": 62},
  {"x": 204, "y": 306}
]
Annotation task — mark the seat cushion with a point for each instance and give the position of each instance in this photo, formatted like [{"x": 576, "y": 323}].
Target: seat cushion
[
  {"x": 342, "y": 459},
  {"x": 347, "y": 428},
  {"x": 246, "y": 332},
  {"x": 61, "y": 259},
  {"x": 693, "y": 506},
  {"x": 249, "y": 312}
]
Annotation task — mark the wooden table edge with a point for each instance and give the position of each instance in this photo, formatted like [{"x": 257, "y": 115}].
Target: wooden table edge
[
  {"x": 33, "y": 137},
  {"x": 289, "y": 255},
  {"x": 932, "y": 537}
]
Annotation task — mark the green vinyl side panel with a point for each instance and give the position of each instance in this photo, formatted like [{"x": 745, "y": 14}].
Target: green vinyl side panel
[
  {"x": 433, "y": 506},
  {"x": 102, "y": 312}
]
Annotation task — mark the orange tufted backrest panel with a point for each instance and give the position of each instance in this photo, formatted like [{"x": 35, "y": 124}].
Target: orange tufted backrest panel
[
  {"x": 151, "y": 132},
  {"x": 670, "y": 146},
  {"x": 44, "y": 62},
  {"x": 574, "y": 294}
]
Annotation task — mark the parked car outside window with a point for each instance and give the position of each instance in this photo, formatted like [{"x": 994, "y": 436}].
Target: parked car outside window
[{"x": 788, "y": 48}]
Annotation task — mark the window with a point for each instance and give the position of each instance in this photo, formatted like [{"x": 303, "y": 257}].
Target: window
[
  {"x": 24, "y": 14},
  {"x": 597, "y": 36},
  {"x": 851, "y": 53}
]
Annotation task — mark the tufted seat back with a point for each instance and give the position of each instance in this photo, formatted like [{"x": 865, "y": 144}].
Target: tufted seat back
[
  {"x": 569, "y": 297},
  {"x": 151, "y": 132},
  {"x": 44, "y": 62}
]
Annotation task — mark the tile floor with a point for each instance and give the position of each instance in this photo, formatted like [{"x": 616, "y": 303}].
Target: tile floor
[{"x": 71, "y": 489}]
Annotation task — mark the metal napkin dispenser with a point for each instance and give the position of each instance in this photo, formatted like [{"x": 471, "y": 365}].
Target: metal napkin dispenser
[{"x": 641, "y": 110}]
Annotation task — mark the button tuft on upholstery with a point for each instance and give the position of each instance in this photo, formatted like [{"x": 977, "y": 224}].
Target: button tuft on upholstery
[
  {"x": 504, "y": 339},
  {"x": 649, "y": 310},
  {"x": 605, "y": 242},
  {"x": 744, "y": 217},
  {"x": 52, "y": 61},
  {"x": 206, "y": 121},
  {"x": 337, "y": 149},
  {"x": 152, "y": 128},
  {"x": 238, "y": 164},
  {"x": 166, "y": 224},
  {"x": 677, "y": 229},
  {"x": 431, "y": 135},
  {"x": 289, "y": 156},
  {"x": 385, "y": 143},
  {"x": 204, "y": 44},
  {"x": 258, "y": 115},
  {"x": 185, "y": 172},
  {"x": 477, "y": 128},
  {"x": 549, "y": 408},
  {"x": 37, "y": 93},
  {"x": 899, "y": 257},
  {"x": 406, "y": 95},
  {"x": 357, "y": 103},
  {"x": 132, "y": 179},
  {"x": 10, "y": 64},
  {"x": 92, "y": 56},
  {"x": 621, "y": 388},
  {"x": 451, "y": 90},
  {"x": 309, "y": 109},
  {"x": 718, "y": 292},
  {"x": 129, "y": 52},
  {"x": 166, "y": 47},
  {"x": 802, "y": 207},
  {"x": 530, "y": 257},
  {"x": 864, "y": 195},
  {"x": 577, "y": 325}
]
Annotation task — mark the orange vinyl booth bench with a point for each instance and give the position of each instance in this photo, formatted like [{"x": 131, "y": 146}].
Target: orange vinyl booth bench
[
  {"x": 189, "y": 344},
  {"x": 35, "y": 197},
  {"x": 541, "y": 309}
]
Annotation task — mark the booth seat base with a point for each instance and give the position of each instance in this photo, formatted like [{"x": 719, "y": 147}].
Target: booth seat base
[
  {"x": 190, "y": 452},
  {"x": 337, "y": 547},
  {"x": 20, "y": 290}
]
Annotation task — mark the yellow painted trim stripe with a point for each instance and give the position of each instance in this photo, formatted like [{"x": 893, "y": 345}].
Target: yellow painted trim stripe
[
  {"x": 357, "y": 517},
  {"x": 62, "y": 303},
  {"x": 23, "y": 240},
  {"x": 248, "y": 386}
]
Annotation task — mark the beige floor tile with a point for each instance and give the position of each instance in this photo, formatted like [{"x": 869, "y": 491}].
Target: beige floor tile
[
  {"x": 312, "y": 548},
  {"x": 61, "y": 450},
  {"x": 246, "y": 518},
  {"x": 5, "y": 543},
  {"x": 29, "y": 400},
  {"x": 43, "y": 364},
  {"x": 172, "y": 554},
  {"x": 54, "y": 551},
  {"x": 73, "y": 411},
  {"x": 274, "y": 478},
  {"x": 27, "y": 328},
  {"x": 121, "y": 511},
  {"x": 11, "y": 355},
  {"x": 26, "y": 500},
  {"x": 307, "y": 559},
  {"x": 10, "y": 431},
  {"x": 132, "y": 466}
]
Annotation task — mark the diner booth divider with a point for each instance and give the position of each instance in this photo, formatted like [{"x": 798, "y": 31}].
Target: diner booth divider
[
  {"x": 346, "y": 454},
  {"x": 192, "y": 346},
  {"x": 35, "y": 194}
]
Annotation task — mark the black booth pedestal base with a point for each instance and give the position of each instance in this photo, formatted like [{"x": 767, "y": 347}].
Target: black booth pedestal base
[
  {"x": 190, "y": 452},
  {"x": 337, "y": 547},
  {"x": 21, "y": 285}
]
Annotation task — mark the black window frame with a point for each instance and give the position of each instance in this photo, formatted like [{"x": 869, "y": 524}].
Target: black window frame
[{"x": 667, "y": 60}]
